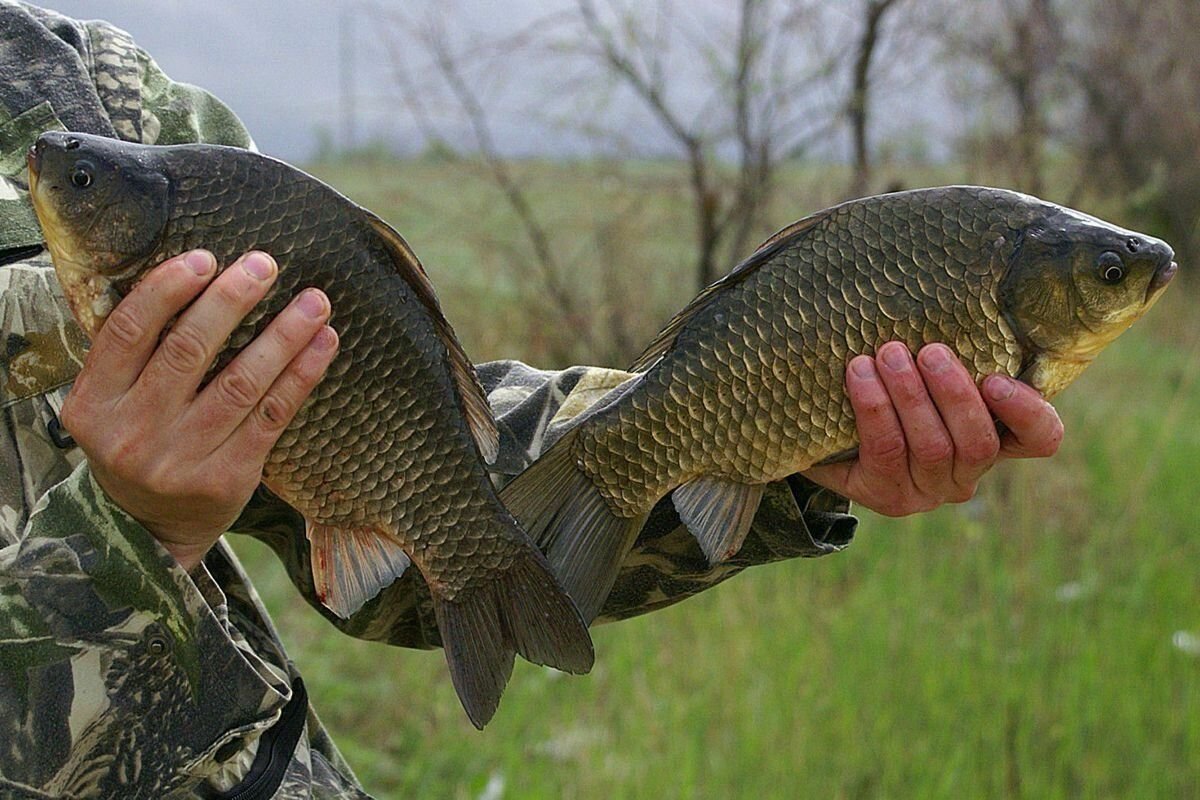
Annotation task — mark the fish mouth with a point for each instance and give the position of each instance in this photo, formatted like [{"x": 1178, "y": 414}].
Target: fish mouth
[
  {"x": 1162, "y": 277},
  {"x": 33, "y": 159}
]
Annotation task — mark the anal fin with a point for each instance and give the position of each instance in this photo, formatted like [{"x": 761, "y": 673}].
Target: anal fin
[
  {"x": 350, "y": 566},
  {"x": 718, "y": 513}
]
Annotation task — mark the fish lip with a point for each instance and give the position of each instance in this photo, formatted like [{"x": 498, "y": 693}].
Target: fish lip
[
  {"x": 1162, "y": 276},
  {"x": 33, "y": 159}
]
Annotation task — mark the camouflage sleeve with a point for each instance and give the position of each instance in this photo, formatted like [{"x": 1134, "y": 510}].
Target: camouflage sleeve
[
  {"x": 796, "y": 519},
  {"x": 120, "y": 675}
]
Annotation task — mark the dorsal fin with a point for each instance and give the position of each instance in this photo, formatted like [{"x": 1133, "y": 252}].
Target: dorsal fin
[
  {"x": 662, "y": 343},
  {"x": 470, "y": 393}
]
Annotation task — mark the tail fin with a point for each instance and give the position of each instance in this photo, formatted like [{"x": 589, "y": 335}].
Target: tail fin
[
  {"x": 584, "y": 541},
  {"x": 523, "y": 611}
]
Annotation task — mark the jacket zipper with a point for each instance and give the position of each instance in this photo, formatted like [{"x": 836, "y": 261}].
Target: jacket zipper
[{"x": 275, "y": 750}]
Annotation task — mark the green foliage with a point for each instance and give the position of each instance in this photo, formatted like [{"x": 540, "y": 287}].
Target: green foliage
[{"x": 1020, "y": 645}]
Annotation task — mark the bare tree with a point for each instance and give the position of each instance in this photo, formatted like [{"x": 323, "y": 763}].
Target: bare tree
[
  {"x": 874, "y": 12},
  {"x": 1019, "y": 43},
  {"x": 765, "y": 95},
  {"x": 430, "y": 35},
  {"x": 763, "y": 108}
]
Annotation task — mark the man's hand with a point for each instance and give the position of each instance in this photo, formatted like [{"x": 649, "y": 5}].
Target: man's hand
[
  {"x": 927, "y": 433},
  {"x": 181, "y": 462}
]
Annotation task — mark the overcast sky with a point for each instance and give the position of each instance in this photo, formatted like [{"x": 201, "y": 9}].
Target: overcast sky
[
  {"x": 273, "y": 61},
  {"x": 276, "y": 63}
]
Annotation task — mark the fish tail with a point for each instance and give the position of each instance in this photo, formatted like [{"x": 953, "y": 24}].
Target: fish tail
[
  {"x": 522, "y": 610},
  {"x": 568, "y": 518}
]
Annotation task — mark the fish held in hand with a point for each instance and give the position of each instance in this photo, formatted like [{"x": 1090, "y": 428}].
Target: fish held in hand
[
  {"x": 746, "y": 385},
  {"x": 385, "y": 459}
]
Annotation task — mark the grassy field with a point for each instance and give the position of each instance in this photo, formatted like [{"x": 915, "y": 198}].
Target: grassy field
[{"x": 1041, "y": 641}]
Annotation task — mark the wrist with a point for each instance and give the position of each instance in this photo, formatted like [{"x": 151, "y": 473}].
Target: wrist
[{"x": 187, "y": 554}]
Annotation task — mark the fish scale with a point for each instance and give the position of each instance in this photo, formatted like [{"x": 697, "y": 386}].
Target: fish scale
[
  {"x": 746, "y": 385},
  {"x": 384, "y": 457}
]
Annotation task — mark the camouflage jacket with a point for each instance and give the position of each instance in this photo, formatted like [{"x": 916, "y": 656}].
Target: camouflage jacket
[{"x": 121, "y": 675}]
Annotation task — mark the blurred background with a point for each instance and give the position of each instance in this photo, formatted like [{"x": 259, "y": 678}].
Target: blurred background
[{"x": 571, "y": 173}]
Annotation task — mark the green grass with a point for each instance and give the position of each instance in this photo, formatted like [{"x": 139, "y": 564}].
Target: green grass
[{"x": 1016, "y": 646}]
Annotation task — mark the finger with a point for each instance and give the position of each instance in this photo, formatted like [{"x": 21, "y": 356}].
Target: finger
[
  {"x": 258, "y": 433},
  {"x": 963, "y": 412},
  {"x": 187, "y": 351},
  {"x": 234, "y": 393},
  {"x": 882, "y": 450},
  {"x": 1034, "y": 427},
  {"x": 930, "y": 448},
  {"x": 130, "y": 335}
]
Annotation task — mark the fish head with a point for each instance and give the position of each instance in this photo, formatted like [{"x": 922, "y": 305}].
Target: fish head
[
  {"x": 103, "y": 208},
  {"x": 1075, "y": 283}
]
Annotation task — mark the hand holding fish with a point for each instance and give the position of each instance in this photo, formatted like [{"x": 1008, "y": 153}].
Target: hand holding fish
[
  {"x": 927, "y": 431},
  {"x": 184, "y": 463}
]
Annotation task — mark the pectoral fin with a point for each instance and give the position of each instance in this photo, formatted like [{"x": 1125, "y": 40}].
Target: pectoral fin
[
  {"x": 718, "y": 513},
  {"x": 351, "y": 566}
]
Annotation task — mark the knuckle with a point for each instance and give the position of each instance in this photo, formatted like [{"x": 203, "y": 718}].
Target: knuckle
[
  {"x": 908, "y": 394},
  {"x": 873, "y": 405},
  {"x": 932, "y": 451},
  {"x": 307, "y": 373},
  {"x": 237, "y": 388},
  {"x": 287, "y": 333},
  {"x": 124, "y": 328},
  {"x": 960, "y": 390},
  {"x": 890, "y": 448},
  {"x": 183, "y": 350},
  {"x": 979, "y": 451},
  {"x": 232, "y": 291},
  {"x": 273, "y": 413}
]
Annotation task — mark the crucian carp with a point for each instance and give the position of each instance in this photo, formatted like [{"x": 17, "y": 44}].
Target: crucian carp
[
  {"x": 745, "y": 385},
  {"x": 385, "y": 459}
]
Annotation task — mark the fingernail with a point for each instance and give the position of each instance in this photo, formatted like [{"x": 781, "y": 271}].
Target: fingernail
[
  {"x": 312, "y": 303},
  {"x": 999, "y": 387},
  {"x": 259, "y": 265},
  {"x": 200, "y": 262},
  {"x": 935, "y": 358},
  {"x": 863, "y": 367},
  {"x": 896, "y": 357},
  {"x": 326, "y": 339}
]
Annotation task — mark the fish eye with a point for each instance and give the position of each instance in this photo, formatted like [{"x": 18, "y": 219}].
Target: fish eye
[
  {"x": 1110, "y": 267},
  {"x": 81, "y": 175}
]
